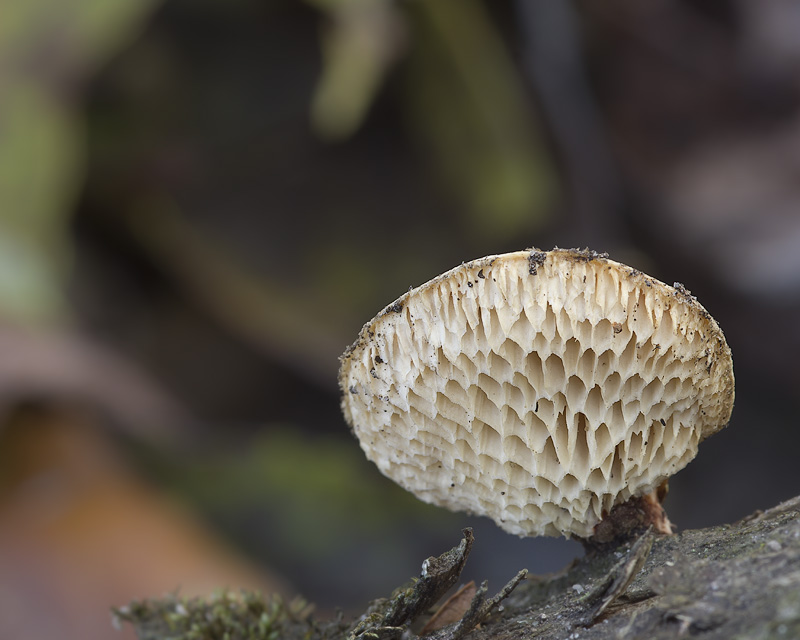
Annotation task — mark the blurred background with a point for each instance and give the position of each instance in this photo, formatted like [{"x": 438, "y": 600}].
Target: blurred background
[{"x": 202, "y": 201}]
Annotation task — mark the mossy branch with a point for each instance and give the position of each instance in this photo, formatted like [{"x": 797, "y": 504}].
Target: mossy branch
[{"x": 733, "y": 581}]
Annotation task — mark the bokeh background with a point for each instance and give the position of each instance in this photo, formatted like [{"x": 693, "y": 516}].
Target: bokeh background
[{"x": 202, "y": 201}]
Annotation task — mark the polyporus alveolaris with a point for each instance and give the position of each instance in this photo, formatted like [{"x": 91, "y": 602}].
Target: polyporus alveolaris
[{"x": 540, "y": 389}]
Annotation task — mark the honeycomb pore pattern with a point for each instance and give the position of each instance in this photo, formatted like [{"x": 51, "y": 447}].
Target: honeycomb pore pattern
[{"x": 539, "y": 389}]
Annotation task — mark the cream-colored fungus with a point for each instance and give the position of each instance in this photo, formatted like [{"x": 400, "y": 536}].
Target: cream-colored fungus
[{"x": 539, "y": 389}]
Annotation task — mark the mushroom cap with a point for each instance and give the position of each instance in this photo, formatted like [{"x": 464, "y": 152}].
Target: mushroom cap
[{"x": 540, "y": 389}]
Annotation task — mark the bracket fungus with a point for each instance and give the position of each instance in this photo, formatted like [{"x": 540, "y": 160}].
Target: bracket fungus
[{"x": 540, "y": 389}]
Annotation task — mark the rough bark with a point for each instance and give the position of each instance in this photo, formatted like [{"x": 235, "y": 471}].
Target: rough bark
[{"x": 733, "y": 581}]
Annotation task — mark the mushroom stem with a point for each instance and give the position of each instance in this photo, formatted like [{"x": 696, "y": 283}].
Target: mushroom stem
[{"x": 630, "y": 518}]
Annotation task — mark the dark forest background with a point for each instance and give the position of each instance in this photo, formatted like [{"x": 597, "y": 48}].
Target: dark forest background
[{"x": 202, "y": 201}]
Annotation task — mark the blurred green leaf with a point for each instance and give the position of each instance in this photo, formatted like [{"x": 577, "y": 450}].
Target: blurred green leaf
[
  {"x": 69, "y": 39},
  {"x": 46, "y": 48},
  {"x": 469, "y": 107},
  {"x": 359, "y": 45},
  {"x": 467, "y": 101},
  {"x": 40, "y": 160}
]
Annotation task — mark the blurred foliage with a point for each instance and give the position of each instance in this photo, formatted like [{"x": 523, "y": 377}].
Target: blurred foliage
[
  {"x": 468, "y": 102},
  {"x": 45, "y": 50},
  {"x": 203, "y": 158},
  {"x": 358, "y": 47},
  {"x": 299, "y": 331},
  {"x": 81, "y": 532},
  {"x": 465, "y": 97},
  {"x": 317, "y": 493},
  {"x": 40, "y": 157}
]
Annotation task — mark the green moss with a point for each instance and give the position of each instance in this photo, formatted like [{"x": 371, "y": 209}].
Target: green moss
[{"x": 227, "y": 615}]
